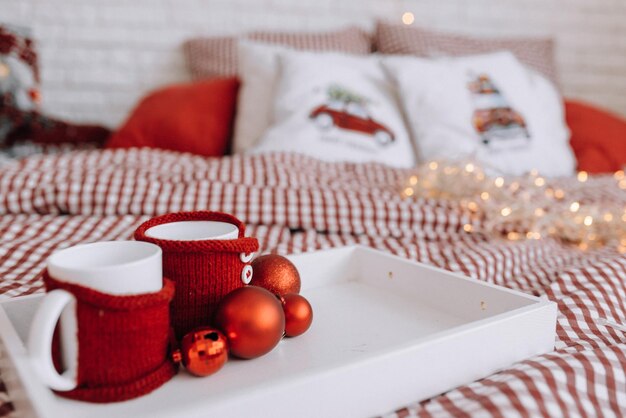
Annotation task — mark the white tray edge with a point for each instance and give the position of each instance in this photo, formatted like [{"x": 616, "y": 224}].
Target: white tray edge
[{"x": 21, "y": 388}]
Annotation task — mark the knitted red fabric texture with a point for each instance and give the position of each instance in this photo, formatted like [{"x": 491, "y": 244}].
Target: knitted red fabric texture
[
  {"x": 204, "y": 271},
  {"x": 123, "y": 342}
]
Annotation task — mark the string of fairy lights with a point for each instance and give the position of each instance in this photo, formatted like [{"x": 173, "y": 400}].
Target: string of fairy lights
[{"x": 529, "y": 207}]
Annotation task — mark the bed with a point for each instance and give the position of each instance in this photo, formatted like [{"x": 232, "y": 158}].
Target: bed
[{"x": 294, "y": 204}]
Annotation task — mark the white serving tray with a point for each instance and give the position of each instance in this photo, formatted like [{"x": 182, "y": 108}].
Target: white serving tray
[{"x": 386, "y": 332}]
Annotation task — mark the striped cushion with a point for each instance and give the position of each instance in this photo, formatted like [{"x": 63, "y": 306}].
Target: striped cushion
[
  {"x": 536, "y": 53},
  {"x": 217, "y": 56}
]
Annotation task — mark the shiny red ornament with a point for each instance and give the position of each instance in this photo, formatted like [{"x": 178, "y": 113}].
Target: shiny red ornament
[
  {"x": 276, "y": 274},
  {"x": 204, "y": 351},
  {"x": 252, "y": 319},
  {"x": 298, "y": 314}
]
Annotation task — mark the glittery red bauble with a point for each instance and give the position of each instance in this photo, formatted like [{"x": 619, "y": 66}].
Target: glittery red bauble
[
  {"x": 252, "y": 319},
  {"x": 204, "y": 351},
  {"x": 276, "y": 274},
  {"x": 298, "y": 314}
]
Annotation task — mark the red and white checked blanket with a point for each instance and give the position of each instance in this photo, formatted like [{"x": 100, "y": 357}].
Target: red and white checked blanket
[{"x": 292, "y": 204}]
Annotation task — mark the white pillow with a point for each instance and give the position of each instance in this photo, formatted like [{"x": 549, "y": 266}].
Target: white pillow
[
  {"x": 488, "y": 107},
  {"x": 337, "y": 107},
  {"x": 258, "y": 72}
]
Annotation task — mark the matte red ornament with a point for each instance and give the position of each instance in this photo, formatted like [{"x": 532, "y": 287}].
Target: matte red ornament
[
  {"x": 252, "y": 319},
  {"x": 298, "y": 314},
  {"x": 204, "y": 351},
  {"x": 276, "y": 274}
]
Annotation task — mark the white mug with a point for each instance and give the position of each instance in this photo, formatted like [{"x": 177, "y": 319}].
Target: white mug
[
  {"x": 112, "y": 267},
  {"x": 201, "y": 231},
  {"x": 194, "y": 231}
]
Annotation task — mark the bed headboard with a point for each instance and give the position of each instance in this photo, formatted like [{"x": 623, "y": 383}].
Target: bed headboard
[{"x": 99, "y": 56}]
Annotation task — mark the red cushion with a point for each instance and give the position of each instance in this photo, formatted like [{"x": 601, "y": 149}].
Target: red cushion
[
  {"x": 598, "y": 137},
  {"x": 195, "y": 118}
]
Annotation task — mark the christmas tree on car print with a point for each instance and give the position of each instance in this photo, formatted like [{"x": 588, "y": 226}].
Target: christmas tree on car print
[
  {"x": 347, "y": 110},
  {"x": 496, "y": 122}
]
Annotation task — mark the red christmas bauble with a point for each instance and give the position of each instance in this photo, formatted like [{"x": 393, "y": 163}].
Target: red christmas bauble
[
  {"x": 252, "y": 319},
  {"x": 276, "y": 274},
  {"x": 204, "y": 351},
  {"x": 298, "y": 314}
]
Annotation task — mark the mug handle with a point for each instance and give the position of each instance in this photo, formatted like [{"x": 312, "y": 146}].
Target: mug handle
[{"x": 40, "y": 341}]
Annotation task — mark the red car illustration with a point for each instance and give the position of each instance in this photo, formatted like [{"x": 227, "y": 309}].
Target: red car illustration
[{"x": 351, "y": 116}]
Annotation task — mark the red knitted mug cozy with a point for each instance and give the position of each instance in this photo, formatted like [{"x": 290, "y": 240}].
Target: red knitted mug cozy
[
  {"x": 204, "y": 270},
  {"x": 123, "y": 342}
]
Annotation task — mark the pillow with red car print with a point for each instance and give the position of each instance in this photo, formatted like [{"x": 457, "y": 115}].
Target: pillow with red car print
[{"x": 336, "y": 107}]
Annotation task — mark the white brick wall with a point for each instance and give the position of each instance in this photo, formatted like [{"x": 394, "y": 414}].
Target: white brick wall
[{"x": 99, "y": 56}]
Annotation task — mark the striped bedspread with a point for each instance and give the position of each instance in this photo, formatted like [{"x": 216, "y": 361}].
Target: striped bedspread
[{"x": 294, "y": 204}]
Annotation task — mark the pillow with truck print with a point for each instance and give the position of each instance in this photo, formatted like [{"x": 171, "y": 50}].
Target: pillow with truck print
[{"x": 484, "y": 107}]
